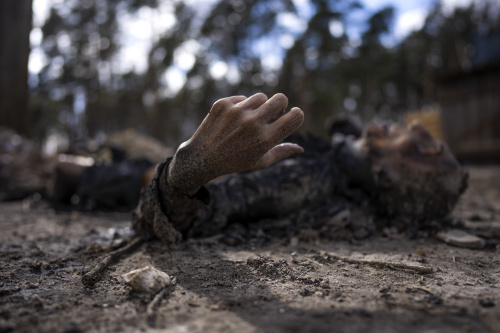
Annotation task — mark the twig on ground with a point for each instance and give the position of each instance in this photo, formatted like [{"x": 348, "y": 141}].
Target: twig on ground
[
  {"x": 156, "y": 301},
  {"x": 425, "y": 308},
  {"x": 315, "y": 262},
  {"x": 424, "y": 289},
  {"x": 151, "y": 309},
  {"x": 93, "y": 275},
  {"x": 380, "y": 264}
]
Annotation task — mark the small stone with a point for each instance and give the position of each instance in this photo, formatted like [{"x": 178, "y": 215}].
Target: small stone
[
  {"x": 215, "y": 307},
  {"x": 147, "y": 279},
  {"x": 386, "y": 290},
  {"x": 294, "y": 241},
  {"x": 486, "y": 302},
  {"x": 433, "y": 299},
  {"x": 304, "y": 292},
  {"x": 461, "y": 238},
  {"x": 33, "y": 280}
]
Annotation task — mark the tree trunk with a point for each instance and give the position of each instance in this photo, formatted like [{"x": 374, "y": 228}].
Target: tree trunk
[{"x": 15, "y": 28}]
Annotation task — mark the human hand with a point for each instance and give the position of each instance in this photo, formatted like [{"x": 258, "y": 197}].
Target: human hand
[{"x": 238, "y": 134}]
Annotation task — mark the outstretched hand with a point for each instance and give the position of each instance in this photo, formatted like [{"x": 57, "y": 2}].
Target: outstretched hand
[{"x": 238, "y": 134}]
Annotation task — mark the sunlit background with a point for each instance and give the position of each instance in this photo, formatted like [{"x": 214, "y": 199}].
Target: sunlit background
[{"x": 100, "y": 66}]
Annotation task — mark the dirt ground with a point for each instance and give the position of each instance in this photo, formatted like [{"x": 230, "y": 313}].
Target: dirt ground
[{"x": 380, "y": 284}]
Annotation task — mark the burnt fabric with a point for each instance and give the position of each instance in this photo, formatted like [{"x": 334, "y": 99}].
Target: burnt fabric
[{"x": 297, "y": 183}]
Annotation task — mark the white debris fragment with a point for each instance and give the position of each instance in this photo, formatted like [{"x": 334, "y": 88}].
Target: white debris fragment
[
  {"x": 461, "y": 238},
  {"x": 147, "y": 279}
]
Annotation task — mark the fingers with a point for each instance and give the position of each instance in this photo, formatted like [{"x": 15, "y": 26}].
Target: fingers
[
  {"x": 286, "y": 125},
  {"x": 226, "y": 103},
  {"x": 274, "y": 108},
  {"x": 236, "y": 99},
  {"x": 253, "y": 102},
  {"x": 278, "y": 153}
]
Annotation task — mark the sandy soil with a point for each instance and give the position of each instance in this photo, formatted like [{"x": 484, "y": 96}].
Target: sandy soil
[{"x": 380, "y": 284}]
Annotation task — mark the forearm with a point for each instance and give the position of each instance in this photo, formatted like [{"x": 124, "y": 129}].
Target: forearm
[
  {"x": 186, "y": 172},
  {"x": 165, "y": 213}
]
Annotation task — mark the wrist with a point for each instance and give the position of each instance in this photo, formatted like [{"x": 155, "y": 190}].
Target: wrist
[{"x": 184, "y": 174}]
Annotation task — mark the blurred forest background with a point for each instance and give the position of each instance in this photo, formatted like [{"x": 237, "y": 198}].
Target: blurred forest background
[{"x": 206, "y": 50}]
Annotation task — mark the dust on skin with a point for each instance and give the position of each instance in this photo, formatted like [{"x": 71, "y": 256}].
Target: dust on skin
[{"x": 238, "y": 134}]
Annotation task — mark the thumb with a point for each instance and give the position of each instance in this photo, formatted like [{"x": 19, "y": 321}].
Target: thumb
[{"x": 278, "y": 153}]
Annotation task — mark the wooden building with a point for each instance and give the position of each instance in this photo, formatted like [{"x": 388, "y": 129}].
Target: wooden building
[{"x": 470, "y": 112}]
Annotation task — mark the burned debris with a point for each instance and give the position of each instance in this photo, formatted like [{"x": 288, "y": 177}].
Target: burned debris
[{"x": 415, "y": 179}]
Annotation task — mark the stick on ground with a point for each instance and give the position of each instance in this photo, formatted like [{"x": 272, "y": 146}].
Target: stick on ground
[
  {"x": 378, "y": 263},
  {"x": 156, "y": 301},
  {"x": 93, "y": 275}
]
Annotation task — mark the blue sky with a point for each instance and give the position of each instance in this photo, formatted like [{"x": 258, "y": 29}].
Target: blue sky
[{"x": 409, "y": 13}]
